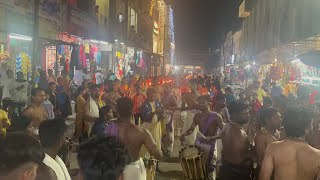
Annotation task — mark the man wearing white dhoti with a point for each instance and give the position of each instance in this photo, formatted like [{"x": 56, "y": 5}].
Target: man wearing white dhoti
[
  {"x": 190, "y": 104},
  {"x": 133, "y": 137},
  {"x": 92, "y": 107}
]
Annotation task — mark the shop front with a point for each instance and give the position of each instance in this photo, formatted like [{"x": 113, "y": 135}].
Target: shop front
[{"x": 16, "y": 32}]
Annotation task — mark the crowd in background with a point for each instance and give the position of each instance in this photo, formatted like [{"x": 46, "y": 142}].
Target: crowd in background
[{"x": 41, "y": 112}]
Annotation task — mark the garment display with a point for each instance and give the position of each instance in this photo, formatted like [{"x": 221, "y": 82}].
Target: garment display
[{"x": 98, "y": 59}]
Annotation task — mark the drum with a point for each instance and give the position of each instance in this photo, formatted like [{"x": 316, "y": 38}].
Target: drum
[
  {"x": 151, "y": 167},
  {"x": 192, "y": 163}
]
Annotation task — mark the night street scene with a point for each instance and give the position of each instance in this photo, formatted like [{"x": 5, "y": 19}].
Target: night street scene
[{"x": 159, "y": 90}]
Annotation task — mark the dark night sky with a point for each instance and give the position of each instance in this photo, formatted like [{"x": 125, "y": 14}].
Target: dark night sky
[{"x": 201, "y": 24}]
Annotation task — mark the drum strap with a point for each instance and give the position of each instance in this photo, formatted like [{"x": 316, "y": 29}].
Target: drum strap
[{"x": 211, "y": 118}]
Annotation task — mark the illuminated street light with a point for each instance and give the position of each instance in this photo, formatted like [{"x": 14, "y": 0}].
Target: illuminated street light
[
  {"x": 116, "y": 40},
  {"x": 94, "y": 41}
]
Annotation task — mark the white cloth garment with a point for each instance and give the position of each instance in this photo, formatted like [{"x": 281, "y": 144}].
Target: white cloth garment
[
  {"x": 99, "y": 78},
  {"x": 136, "y": 170},
  {"x": 58, "y": 167},
  {"x": 7, "y": 85},
  {"x": 188, "y": 120},
  {"x": 93, "y": 112},
  {"x": 21, "y": 95}
]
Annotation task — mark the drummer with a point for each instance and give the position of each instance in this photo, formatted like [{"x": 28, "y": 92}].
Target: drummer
[
  {"x": 170, "y": 104},
  {"x": 209, "y": 123}
]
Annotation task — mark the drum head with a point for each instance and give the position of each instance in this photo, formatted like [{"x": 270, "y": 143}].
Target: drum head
[{"x": 190, "y": 152}]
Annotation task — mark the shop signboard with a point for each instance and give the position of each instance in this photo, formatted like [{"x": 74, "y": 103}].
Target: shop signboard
[
  {"x": 24, "y": 7},
  {"x": 81, "y": 23},
  {"x": 49, "y": 10}
]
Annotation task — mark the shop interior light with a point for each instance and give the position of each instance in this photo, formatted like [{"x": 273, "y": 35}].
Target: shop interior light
[
  {"x": 103, "y": 42},
  {"x": 20, "y": 37},
  {"x": 94, "y": 41},
  {"x": 116, "y": 40},
  {"x": 122, "y": 43},
  {"x": 254, "y": 63}
]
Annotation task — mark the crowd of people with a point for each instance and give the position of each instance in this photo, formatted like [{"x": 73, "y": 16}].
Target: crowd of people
[{"x": 255, "y": 132}]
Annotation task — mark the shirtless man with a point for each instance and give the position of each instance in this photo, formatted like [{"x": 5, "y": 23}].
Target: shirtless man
[
  {"x": 156, "y": 86},
  {"x": 133, "y": 137},
  {"x": 35, "y": 111},
  {"x": 292, "y": 158},
  {"x": 271, "y": 124},
  {"x": 209, "y": 123},
  {"x": 170, "y": 104},
  {"x": 190, "y": 104},
  {"x": 221, "y": 108},
  {"x": 236, "y": 158},
  {"x": 111, "y": 97}
]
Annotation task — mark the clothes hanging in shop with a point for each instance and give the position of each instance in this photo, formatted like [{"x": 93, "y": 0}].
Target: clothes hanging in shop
[
  {"x": 98, "y": 59},
  {"x": 86, "y": 48},
  {"x": 75, "y": 62},
  {"x": 83, "y": 57}
]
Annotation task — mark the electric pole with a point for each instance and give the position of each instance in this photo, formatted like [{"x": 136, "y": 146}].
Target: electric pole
[{"x": 35, "y": 39}]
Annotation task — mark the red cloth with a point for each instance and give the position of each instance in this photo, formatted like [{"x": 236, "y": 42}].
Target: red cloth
[
  {"x": 72, "y": 3},
  {"x": 313, "y": 96},
  {"x": 138, "y": 100},
  {"x": 83, "y": 57},
  {"x": 256, "y": 106},
  {"x": 67, "y": 65}
]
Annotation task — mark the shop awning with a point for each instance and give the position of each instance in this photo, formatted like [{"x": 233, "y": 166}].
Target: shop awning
[{"x": 311, "y": 58}]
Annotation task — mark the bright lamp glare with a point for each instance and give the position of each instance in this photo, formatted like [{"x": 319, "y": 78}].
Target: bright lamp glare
[
  {"x": 94, "y": 41},
  {"x": 20, "y": 37},
  {"x": 103, "y": 42}
]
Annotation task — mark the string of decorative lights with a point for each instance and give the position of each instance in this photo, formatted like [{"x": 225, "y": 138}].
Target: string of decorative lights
[{"x": 172, "y": 36}]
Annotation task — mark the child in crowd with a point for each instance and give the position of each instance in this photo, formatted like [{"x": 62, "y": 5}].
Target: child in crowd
[{"x": 4, "y": 122}]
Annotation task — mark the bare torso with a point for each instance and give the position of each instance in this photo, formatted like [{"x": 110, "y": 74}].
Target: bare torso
[
  {"x": 208, "y": 126},
  {"x": 189, "y": 100},
  {"x": 133, "y": 137},
  {"x": 222, "y": 113},
  {"x": 262, "y": 140},
  {"x": 294, "y": 160},
  {"x": 37, "y": 114},
  {"x": 236, "y": 147}
]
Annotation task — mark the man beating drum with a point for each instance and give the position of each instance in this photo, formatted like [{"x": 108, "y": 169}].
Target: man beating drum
[{"x": 208, "y": 123}]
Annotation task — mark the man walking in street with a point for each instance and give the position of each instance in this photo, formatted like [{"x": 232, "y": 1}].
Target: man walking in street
[
  {"x": 35, "y": 111},
  {"x": 208, "y": 123},
  {"x": 133, "y": 137},
  {"x": 292, "y": 158},
  {"x": 237, "y": 162}
]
